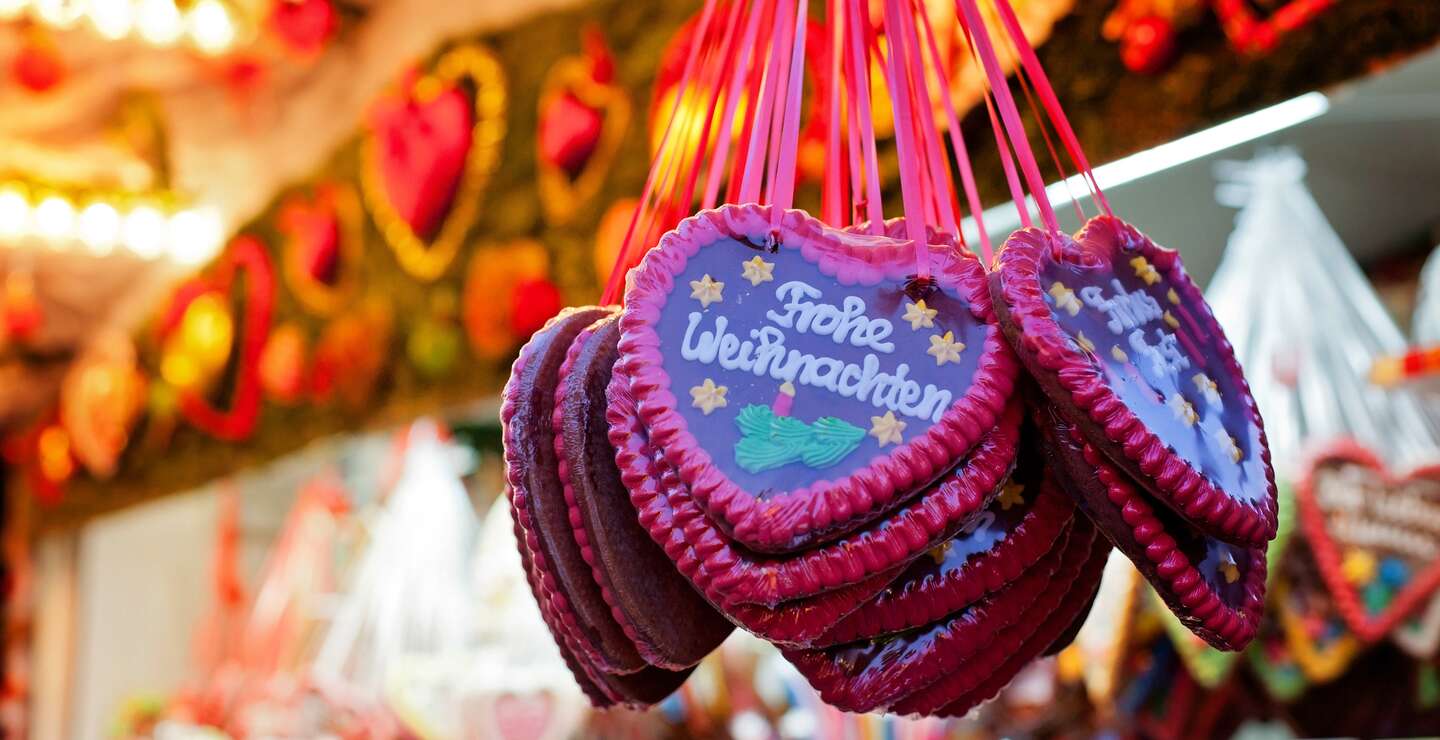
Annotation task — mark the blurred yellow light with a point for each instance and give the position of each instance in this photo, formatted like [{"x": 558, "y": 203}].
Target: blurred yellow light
[
  {"x": 99, "y": 228},
  {"x": 10, "y": 9},
  {"x": 195, "y": 235},
  {"x": 179, "y": 369},
  {"x": 14, "y": 213},
  {"x": 59, "y": 13},
  {"x": 210, "y": 26},
  {"x": 55, "y": 219},
  {"x": 206, "y": 332},
  {"x": 160, "y": 22},
  {"x": 144, "y": 232},
  {"x": 112, "y": 19}
]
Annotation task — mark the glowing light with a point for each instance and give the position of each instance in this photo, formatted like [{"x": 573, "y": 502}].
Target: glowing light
[
  {"x": 160, "y": 22},
  {"x": 1293, "y": 112},
  {"x": 210, "y": 27},
  {"x": 60, "y": 13},
  {"x": 195, "y": 235},
  {"x": 99, "y": 228},
  {"x": 55, "y": 219},
  {"x": 112, "y": 19},
  {"x": 10, "y": 9},
  {"x": 14, "y": 213},
  {"x": 144, "y": 232}
]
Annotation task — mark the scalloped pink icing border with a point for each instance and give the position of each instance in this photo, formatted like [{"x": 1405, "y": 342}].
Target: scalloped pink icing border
[
  {"x": 825, "y": 509},
  {"x": 666, "y": 512},
  {"x": 1018, "y": 644},
  {"x": 1223, "y": 626},
  {"x": 914, "y": 603},
  {"x": 960, "y": 637},
  {"x": 1048, "y": 353},
  {"x": 1054, "y": 626}
]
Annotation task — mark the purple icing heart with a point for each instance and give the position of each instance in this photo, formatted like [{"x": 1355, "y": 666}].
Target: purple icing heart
[
  {"x": 820, "y": 384},
  {"x": 1121, "y": 340}
]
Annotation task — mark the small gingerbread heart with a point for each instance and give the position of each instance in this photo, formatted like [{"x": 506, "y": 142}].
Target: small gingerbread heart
[{"x": 1122, "y": 342}]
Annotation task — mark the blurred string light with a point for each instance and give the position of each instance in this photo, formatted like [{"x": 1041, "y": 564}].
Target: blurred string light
[
  {"x": 209, "y": 26},
  {"x": 148, "y": 230}
]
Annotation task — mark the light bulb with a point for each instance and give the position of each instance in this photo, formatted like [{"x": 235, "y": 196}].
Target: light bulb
[
  {"x": 144, "y": 232},
  {"x": 99, "y": 228},
  {"x": 60, "y": 13},
  {"x": 14, "y": 213},
  {"x": 112, "y": 19},
  {"x": 10, "y": 9},
  {"x": 195, "y": 235},
  {"x": 55, "y": 219},
  {"x": 210, "y": 26},
  {"x": 160, "y": 22}
]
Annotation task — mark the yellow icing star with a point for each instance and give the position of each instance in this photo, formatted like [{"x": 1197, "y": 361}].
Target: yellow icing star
[
  {"x": 707, "y": 396},
  {"x": 1227, "y": 444},
  {"x": 937, "y": 553},
  {"x": 1172, "y": 296},
  {"x": 1171, "y": 320},
  {"x": 1183, "y": 410},
  {"x": 1229, "y": 568},
  {"x": 1145, "y": 271},
  {"x": 758, "y": 271},
  {"x": 707, "y": 290},
  {"x": 1119, "y": 354},
  {"x": 944, "y": 348},
  {"x": 919, "y": 315},
  {"x": 886, "y": 428},
  {"x": 1065, "y": 298},
  {"x": 1011, "y": 495},
  {"x": 1206, "y": 386},
  {"x": 1359, "y": 567},
  {"x": 1084, "y": 341}
]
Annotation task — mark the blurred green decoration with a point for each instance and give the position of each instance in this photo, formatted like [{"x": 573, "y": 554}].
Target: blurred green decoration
[{"x": 387, "y": 356}]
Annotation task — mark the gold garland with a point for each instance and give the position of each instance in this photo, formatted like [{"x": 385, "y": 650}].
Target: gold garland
[{"x": 424, "y": 260}]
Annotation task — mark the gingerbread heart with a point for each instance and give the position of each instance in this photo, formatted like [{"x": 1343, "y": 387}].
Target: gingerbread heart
[
  {"x": 822, "y": 383},
  {"x": 431, "y": 149},
  {"x": 1250, "y": 34},
  {"x": 1315, "y": 635},
  {"x": 582, "y": 120},
  {"x": 1375, "y": 535},
  {"x": 245, "y": 260},
  {"x": 1124, "y": 345},
  {"x": 324, "y": 238}
]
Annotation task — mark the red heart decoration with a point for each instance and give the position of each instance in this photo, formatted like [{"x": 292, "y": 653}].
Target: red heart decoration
[
  {"x": 569, "y": 133},
  {"x": 1350, "y": 501},
  {"x": 522, "y": 717},
  {"x": 303, "y": 25},
  {"x": 422, "y": 145},
  {"x": 248, "y": 256},
  {"x": 315, "y": 230}
]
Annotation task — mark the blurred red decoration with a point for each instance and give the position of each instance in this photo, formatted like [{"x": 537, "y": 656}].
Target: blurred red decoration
[
  {"x": 350, "y": 356},
  {"x": 424, "y": 136},
  {"x": 1148, "y": 45},
  {"x": 38, "y": 66},
  {"x": 283, "y": 364},
  {"x": 532, "y": 304},
  {"x": 570, "y": 127},
  {"x": 20, "y": 311},
  {"x": 315, "y": 231},
  {"x": 1249, "y": 34},
  {"x": 304, "y": 26}
]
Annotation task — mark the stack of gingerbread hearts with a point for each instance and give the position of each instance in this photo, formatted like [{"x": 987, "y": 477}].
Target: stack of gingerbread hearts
[{"x": 820, "y": 431}]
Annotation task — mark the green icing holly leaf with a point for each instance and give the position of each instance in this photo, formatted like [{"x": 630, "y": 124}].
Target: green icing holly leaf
[{"x": 769, "y": 441}]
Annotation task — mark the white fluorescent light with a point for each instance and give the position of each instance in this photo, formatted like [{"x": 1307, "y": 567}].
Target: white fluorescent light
[{"x": 1002, "y": 219}]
